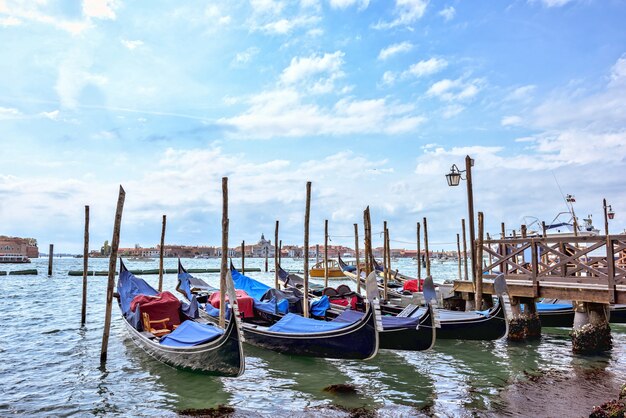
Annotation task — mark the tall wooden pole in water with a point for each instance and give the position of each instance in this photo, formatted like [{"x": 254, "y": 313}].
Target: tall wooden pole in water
[
  {"x": 115, "y": 243},
  {"x": 307, "y": 213},
  {"x": 326, "y": 253},
  {"x": 426, "y": 247},
  {"x": 356, "y": 254},
  {"x": 276, "y": 257},
  {"x": 458, "y": 252},
  {"x": 465, "y": 270},
  {"x": 479, "y": 262},
  {"x": 50, "y": 256},
  {"x": 369, "y": 262},
  {"x": 470, "y": 209},
  {"x": 419, "y": 256},
  {"x": 224, "y": 265},
  {"x": 266, "y": 255},
  {"x": 83, "y": 312},
  {"x": 387, "y": 263},
  {"x": 161, "y": 253},
  {"x": 317, "y": 253},
  {"x": 243, "y": 257},
  {"x": 280, "y": 252}
]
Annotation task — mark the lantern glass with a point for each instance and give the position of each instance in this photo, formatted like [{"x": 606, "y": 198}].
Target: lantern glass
[{"x": 453, "y": 178}]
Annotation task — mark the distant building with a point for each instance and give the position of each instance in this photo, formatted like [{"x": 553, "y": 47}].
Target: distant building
[
  {"x": 262, "y": 248},
  {"x": 19, "y": 246}
]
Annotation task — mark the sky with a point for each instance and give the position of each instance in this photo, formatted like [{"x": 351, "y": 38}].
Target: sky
[{"x": 371, "y": 100}]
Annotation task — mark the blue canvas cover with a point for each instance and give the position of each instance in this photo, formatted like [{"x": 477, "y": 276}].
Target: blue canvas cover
[
  {"x": 186, "y": 282},
  {"x": 191, "y": 333},
  {"x": 215, "y": 312},
  {"x": 129, "y": 286},
  {"x": 253, "y": 288},
  {"x": 319, "y": 306},
  {"x": 191, "y": 309},
  {"x": 296, "y": 324},
  {"x": 547, "y": 307},
  {"x": 389, "y": 322}
]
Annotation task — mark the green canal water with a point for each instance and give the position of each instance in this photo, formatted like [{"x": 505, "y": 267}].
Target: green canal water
[{"x": 50, "y": 365}]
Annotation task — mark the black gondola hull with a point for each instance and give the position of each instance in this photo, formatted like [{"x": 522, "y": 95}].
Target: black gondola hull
[
  {"x": 488, "y": 328},
  {"x": 557, "y": 318},
  {"x": 358, "y": 341},
  {"x": 221, "y": 357},
  {"x": 411, "y": 339}
]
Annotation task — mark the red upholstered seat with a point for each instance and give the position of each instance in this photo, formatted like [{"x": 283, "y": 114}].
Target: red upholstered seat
[
  {"x": 245, "y": 302},
  {"x": 164, "y": 305},
  {"x": 411, "y": 285}
]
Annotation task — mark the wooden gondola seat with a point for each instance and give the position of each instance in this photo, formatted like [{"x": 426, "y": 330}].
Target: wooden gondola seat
[{"x": 148, "y": 325}]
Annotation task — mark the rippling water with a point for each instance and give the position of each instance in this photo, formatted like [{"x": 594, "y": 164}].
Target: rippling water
[{"x": 50, "y": 366}]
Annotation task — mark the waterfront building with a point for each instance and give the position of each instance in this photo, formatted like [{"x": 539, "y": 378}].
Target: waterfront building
[{"x": 26, "y": 247}]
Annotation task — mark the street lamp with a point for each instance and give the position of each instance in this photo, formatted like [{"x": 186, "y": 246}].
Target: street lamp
[
  {"x": 608, "y": 214},
  {"x": 454, "y": 177}
]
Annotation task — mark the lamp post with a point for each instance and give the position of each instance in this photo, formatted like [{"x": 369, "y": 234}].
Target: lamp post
[
  {"x": 608, "y": 214},
  {"x": 454, "y": 177}
]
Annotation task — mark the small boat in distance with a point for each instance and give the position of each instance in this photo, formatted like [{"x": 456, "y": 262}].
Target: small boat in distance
[
  {"x": 14, "y": 259},
  {"x": 334, "y": 270}
]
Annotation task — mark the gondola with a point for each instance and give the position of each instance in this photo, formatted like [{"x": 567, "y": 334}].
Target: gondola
[
  {"x": 295, "y": 335},
  {"x": 407, "y": 332},
  {"x": 476, "y": 325},
  {"x": 195, "y": 344},
  {"x": 560, "y": 313}
]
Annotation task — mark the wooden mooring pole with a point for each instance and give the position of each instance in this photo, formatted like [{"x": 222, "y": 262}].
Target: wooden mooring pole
[
  {"x": 280, "y": 252},
  {"x": 478, "y": 296},
  {"x": 224, "y": 264},
  {"x": 385, "y": 259},
  {"x": 419, "y": 258},
  {"x": 326, "y": 253},
  {"x": 115, "y": 243},
  {"x": 307, "y": 214},
  {"x": 458, "y": 252},
  {"x": 243, "y": 257},
  {"x": 162, "y": 253},
  {"x": 50, "y": 256},
  {"x": 369, "y": 263},
  {"x": 276, "y": 252},
  {"x": 83, "y": 312},
  {"x": 356, "y": 253},
  {"x": 465, "y": 269},
  {"x": 425, "y": 222}
]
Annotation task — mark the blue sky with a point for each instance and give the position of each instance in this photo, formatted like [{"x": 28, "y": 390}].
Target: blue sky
[{"x": 372, "y": 101}]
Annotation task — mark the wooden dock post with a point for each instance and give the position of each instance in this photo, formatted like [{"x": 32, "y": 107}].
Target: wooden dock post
[
  {"x": 326, "y": 253},
  {"x": 385, "y": 259},
  {"x": 224, "y": 263},
  {"x": 115, "y": 243},
  {"x": 317, "y": 253},
  {"x": 280, "y": 251},
  {"x": 243, "y": 257},
  {"x": 50, "y": 256},
  {"x": 307, "y": 214},
  {"x": 418, "y": 258},
  {"x": 266, "y": 262},
  {"x": 83, "y": 312},
  {"x": 276, "y": 285},
  {"x": 161, "y": 253},
  {"x": 356, "y": 253}
]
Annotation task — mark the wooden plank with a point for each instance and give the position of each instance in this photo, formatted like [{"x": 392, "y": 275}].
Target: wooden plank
[{"x": 610, "y": 257}]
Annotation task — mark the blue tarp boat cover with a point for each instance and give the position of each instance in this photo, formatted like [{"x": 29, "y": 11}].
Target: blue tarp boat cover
[
  {"x": 389, "y": 322},
  {"x": 546, "y": 307},
  {"x": 187, "y": 282},
  {"x": 319, "y": 306},
  {"x": 129, "y": 286},
  {"x": 215, "y": 312},
  {"x": 296, "y": 324},
  {"x": 191, "y": 333},
  {"x": 256, "y": 290}
]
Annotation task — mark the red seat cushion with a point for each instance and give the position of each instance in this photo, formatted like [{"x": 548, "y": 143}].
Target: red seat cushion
[
  {"x": 411, "y": 285},
  {"x": 245, "y": 302},
  {"x": 165, "y": 305}
]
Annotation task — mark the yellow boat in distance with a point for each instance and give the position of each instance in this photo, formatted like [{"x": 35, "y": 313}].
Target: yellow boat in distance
[{"x": 334, "y": 271}]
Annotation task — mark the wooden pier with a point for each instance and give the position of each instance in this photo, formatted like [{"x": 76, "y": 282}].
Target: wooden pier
[{"x": 585, "y": 269}]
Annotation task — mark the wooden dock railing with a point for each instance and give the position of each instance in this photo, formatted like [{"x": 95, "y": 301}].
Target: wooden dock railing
[{"x": 572, "y": 264}]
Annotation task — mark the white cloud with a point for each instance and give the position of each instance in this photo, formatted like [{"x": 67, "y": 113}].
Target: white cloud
[
  {"x": 317, "y": 73},
  {"x": 244, "y": 57},
  {"x": 16, "y": 12},
  {"x": 452, "y": 110},
  {"x": 394, "y": 49},
  {"x": 52, "y": 115},
  {"x": 267, "y": 6},
  {"x": 100, "y": 9},
  {"x": 426, "y": 67},
  {"x": 10, "y": 113},
  {"x": 407, "y": 12},
  {"x": 389, "y": 77},
  {"x": 455, "y": 90},
  {"x": 447, "y": 13},
  {"x": 618, "y": 71},
  {"x": 522, "y": 93},
  {"x": 551, "y": 3},
  {"x": 344, "y": 4},
  {"x": 73, "y": 76},
  {"x": 511, "y": 121},
  {"x": 131, "y": 44},
  {"x": 285, "y": 26},
  {"x": 10, "y": 21},
  {"x": 214, "y": 12}
]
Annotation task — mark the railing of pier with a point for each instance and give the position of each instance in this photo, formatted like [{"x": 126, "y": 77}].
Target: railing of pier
[{"x": 573, "y": 262}]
